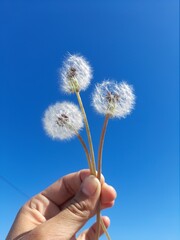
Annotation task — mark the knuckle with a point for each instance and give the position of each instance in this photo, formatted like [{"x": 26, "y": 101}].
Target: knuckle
[
  {"x": 80, "y": 209},
  {"x": 67, "y": 186},
  {"x": 39, "y": 202},
  {"x": 35, "y": 209},
  {"x": 35, "y": 235}
]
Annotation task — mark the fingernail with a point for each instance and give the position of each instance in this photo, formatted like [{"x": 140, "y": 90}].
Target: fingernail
[{"x": 90, "y": 185}]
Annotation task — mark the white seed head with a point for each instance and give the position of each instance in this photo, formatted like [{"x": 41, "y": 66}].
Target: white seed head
[
  {"x": 76, "y": 74},
  {"x": 115, "y": 99},
  {"x": 62, "y": 120}
]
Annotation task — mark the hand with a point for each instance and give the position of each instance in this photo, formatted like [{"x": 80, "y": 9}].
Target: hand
[{"x": 62, "y": 209}]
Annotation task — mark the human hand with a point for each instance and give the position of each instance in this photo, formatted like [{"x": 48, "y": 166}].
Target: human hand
[{"x": 62, "y": 209}]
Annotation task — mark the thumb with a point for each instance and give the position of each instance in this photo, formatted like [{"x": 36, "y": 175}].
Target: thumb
[{"x": 77, "y": 211}]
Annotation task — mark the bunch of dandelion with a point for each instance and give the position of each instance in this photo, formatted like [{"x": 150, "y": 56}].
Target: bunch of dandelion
[{"x": 65, "y": 120}]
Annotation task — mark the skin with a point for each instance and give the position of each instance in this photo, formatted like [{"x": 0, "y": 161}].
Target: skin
[{"x": 62, "y": 209}]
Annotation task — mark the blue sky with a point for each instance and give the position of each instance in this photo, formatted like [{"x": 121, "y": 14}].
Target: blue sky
[{"x": 134, "y": 40}]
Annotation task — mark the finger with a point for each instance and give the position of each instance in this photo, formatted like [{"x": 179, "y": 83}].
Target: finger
[
  {"x": 75, "y": 213},
  {"x": 46, "y": 205},
  {"x": 43, "y": 205},
  {"x": 66, "y": 187},
  {"x": 107, "y": 205},
  {"x": 108, "y": 195},
  {"x": 91, "y": 232}
]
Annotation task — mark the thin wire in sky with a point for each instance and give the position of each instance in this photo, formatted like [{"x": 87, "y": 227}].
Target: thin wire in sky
[{"x": 14, "y": 187}]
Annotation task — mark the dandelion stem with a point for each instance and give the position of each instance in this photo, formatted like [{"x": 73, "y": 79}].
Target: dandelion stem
[
  {"x": 98, "y": 220},
  {"x": 88, "y": 132},
  {"x": 84, "y": 146},
  {"x": 86, "y": 152},
  {"x": 104, "y": 229},
  {"x": 100, "y": 150}
]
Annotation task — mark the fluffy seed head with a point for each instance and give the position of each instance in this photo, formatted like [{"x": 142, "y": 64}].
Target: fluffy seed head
[
  {"x": 115, "y": 99},
  {"x": 76, "y": 74},
  {"x": 62, "y": 120}
]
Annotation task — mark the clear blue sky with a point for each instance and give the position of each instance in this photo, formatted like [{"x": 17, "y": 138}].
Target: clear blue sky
[{"x": 133, "y": 40}]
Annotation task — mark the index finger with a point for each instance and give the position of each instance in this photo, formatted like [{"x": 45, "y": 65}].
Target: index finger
[{"x": 66, "y": 187}]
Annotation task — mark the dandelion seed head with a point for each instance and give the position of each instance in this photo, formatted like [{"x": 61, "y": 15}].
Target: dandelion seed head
[
  {"x": 62, "y": 120},
  {"x": 76, "y": 74},
  {"x": 115, "y": 99}
]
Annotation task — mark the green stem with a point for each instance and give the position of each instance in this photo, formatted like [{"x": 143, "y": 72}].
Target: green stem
[{"x": 88, "y": 132}]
